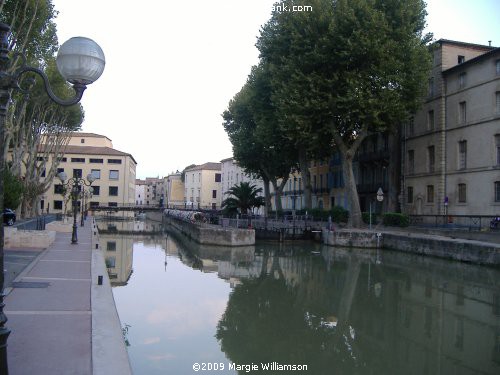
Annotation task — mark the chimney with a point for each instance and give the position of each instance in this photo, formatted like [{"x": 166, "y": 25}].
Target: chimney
[{"x": 489, "y": 42}]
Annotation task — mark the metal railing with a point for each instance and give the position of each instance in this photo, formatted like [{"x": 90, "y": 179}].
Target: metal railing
[
  {"x": 457, "y": 222},
  {"x": 36, "y": 223}
]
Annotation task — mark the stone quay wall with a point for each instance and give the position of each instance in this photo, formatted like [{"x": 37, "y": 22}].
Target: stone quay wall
[
  {"x": 417, "y": 243},
  {"x": 213, "y": 235}
]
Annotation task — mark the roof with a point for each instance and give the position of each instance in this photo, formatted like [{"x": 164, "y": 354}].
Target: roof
[
  {"x": 82, "y": 134},
  {"x": 207, "y": 166},
  {"x": 227, "y": 159},
  {"x": 93, "y": 150},
  {"x": 465, "y": 44}
]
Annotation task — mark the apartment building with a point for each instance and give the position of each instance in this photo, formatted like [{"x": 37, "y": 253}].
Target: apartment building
[
  {"x": 232, "y": 174},
  {"x": 140, "y": 192},
  {"x": 451, "y": 148},
  {"x": 113, "y": 170},
  {"x": 202, "y": 186}
]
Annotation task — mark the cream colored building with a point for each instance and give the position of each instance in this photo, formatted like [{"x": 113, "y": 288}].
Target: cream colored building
[
  {"x": 451, "y": 149},
  {"x": 202, "y": 186},
  {"x": 174, "y": 190},
  {"x": 113, "y": 170}
]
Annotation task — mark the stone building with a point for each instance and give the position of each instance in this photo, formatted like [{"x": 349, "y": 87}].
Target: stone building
[
  {"x": 202, "y": 186},
  {"x": 451, "y": 148}
]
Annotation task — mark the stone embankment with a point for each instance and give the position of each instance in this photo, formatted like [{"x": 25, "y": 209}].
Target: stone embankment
[
  {"x": 208, "y": 234},
  {"x": 417, "y": 243}
]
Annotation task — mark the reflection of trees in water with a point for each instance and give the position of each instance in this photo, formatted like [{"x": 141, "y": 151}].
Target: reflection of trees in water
[{"x": 268, "y": 320}]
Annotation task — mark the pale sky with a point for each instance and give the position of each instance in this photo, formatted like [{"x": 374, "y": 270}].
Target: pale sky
[{"x": 173, "y": 66}]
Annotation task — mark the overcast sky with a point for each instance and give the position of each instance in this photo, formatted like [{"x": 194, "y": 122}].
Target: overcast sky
[{"x": 173, "y": 66}]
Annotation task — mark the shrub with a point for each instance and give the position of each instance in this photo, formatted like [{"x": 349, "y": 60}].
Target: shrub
[
  {"x": 339, "y": 214},
  {"x": 396, "y": 219},
  {"x": 366, "y": 218}
]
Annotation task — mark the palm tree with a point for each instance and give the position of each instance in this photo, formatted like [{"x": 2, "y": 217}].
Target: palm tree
[{"x": 242, "y": 198}]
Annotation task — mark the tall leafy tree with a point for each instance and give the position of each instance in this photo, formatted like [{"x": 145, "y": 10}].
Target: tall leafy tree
[
  {"x": 259, "y": 146},
  {"x": 348, "y": 68}
]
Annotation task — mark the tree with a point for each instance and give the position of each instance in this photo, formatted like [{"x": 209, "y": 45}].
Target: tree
[
  {"x": 242, "y": 198},
  {"x": 13, "y": 190},
  {"x": 349, "y": 68},
  {"x": 259, "y": 147}
]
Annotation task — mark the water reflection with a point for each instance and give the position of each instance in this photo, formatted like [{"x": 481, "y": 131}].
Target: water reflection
[{"x": 341, "y": 311}]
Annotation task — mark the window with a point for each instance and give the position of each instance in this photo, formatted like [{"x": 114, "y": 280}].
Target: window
[
  {"x": 113, "y": 175},
  {"x": 409, "y": 194},
  {"x": 430, "y": 120},
  {"x": 462, "y": 79},
  {"x": 217, "y": 177},
  {"x": 64, "y": 160},
  {"x": 58, "y": 205},
  {"x": 411, "y": 161},
  {"x": 497, "y": 191},
  {"x": 431, "y": 158},
  {"x": 77, "y": 173},
  {"x": 411, "y": 126},
  {"x": 498, "y": 67},
  {"x": 462, "y": 154},
  {"x": 497, "y": 142},
  {"x": 462, "y": 112},
  {"x": 96, "y": 190},
  {"x": 497, "y": 102},
  {"x": 462, "y": 193},
  {"x": 96, "y": 161},
  {"x": 113, "y": 191},
  {"x": 43, "y": 173},
  {"x": 113, "y": 204},
  {"x": 110, "y": 245},
  {"x": 59, "y": 170},
  {"x": 461, "y": 59},
  {"x": 114, "y": 161},
  {"x": 58, "y": 189},
  {"x": 431, "y": 86},
  {"x": 430, "y": 193},
  {"x": 214, "y": 193},
  {"x": 82, "y": 140},
  {"x": 94, "y": 204},
  {"x": 96, "y": 173},
  {"x": 78, "y": 160},
  {"x": 110, "y": 262}
]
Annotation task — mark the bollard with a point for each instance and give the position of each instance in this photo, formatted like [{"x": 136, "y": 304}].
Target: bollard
[{"x": 99, "y": 280}]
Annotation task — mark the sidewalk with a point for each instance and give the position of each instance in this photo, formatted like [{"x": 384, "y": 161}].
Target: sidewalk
[{"x": 61, "y": 320}]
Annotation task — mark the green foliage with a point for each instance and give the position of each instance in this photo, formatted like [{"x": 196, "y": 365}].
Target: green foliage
[
  {"x": 337, "y": 213},
  {"x": 366, "y": 218},
  {"x": 242, "y": 198},
  {"x": 13, "y": 190},
  {"x": 395, "y": 219}
]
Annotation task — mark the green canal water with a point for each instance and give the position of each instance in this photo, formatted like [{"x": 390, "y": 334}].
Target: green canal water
[{"x": 298, "y": 308}]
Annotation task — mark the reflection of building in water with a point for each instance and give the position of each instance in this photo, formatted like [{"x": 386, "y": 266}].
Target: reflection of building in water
[
  {"x": 118, "y": 256},
  {"x": 427, "y": 315}
]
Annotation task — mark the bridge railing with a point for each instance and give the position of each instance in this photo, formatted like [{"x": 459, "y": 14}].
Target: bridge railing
[{"x": 457, "y": 222}]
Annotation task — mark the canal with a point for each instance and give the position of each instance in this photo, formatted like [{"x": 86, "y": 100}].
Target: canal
[{"x": 297, "y": 308}]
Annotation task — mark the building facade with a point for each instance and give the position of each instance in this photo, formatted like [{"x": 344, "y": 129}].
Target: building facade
[
  {"x": 174, "y": 190},
  {"x": 202, "y": 186},
  {"x": 113, "y": 170},
  {"x": 451, "y": 148}
]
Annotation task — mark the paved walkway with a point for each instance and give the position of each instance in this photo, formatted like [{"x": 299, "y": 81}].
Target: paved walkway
[{"x": 60, "y": 318}]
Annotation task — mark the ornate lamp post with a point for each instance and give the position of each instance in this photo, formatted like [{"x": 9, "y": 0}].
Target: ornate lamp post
[
  {"x": 85, "y": 195},
  {"x": 77, "y": 190},
  {"x": 80, "y": 61}
]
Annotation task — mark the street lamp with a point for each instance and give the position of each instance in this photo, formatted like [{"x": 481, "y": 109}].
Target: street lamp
[
  {"x": 80, "y": 61},
  {"x": 86, "y": 195},
  {"x": 77, "y": 185}
]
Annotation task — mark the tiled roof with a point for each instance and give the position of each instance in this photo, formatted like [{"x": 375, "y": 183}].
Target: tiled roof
[
  {"x": 93, "y": 150},
  {"x": 207, "y": 166}
]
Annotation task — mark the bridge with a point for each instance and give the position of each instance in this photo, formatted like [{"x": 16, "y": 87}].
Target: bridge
[{"x": 128, "y": 207}]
